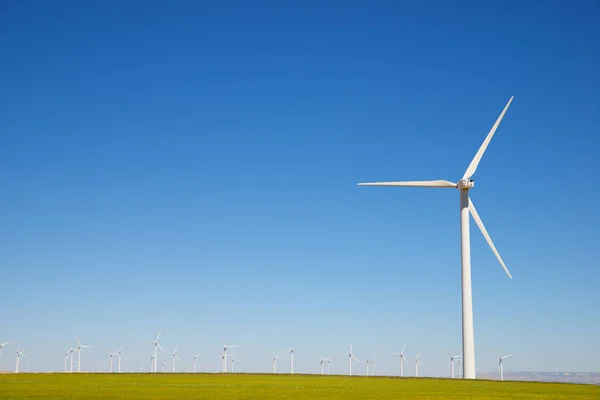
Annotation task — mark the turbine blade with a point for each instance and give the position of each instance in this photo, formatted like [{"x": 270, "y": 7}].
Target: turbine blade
[
  {"x": 158, "y": 337},
  {"x": 497, "y": 355},
  {"x": 403, "y": 347},
  {"x": 160, "y": 347},
  {"x": 473, "y": 166},
  {"x": 506, "y": 356},
  {"x": 486, "y": 235},
  {"x": 345, "y": 354},
  {"x": 355, "y": 358},
  {"x": 434, "y": 184}
]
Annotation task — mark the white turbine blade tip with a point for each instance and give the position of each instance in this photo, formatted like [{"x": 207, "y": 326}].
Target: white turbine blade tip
[
  {"x": 473, "y": 166},
  {"x": 486, "y": 235}
]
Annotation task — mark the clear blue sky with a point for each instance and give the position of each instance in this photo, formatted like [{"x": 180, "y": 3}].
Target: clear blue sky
[{"x": 193, "y": 166}]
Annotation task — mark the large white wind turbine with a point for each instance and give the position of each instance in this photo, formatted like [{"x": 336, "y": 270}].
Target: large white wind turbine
[
  {"x": 19, "y": 354},
  {"x": 466, "y": 206},
  {"x": 417, "y": 364},
  {"x": 194, "y": 364},
  {"x": 500, "y": 359},
  {"x": 401, "y": 355},
  {"x": 156, "y": 347},
  {"x": 71, "y": 350},
  {"x": 350, "y": 355},
  {"x": 274, "y": 361},
  {"x": 2, "y": 345},
  {"x": 78, "y": 349},
  {"x": 224, "y": 355},
  {"x": 175, "y": 356},
  {"x": 292, "y": 351}
]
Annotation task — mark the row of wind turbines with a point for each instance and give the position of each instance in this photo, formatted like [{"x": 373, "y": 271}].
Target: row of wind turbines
[{"x": 454, "y": 359}]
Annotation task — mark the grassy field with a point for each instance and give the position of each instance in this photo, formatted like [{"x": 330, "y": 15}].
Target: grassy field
[{"x": 253, "y": 386}]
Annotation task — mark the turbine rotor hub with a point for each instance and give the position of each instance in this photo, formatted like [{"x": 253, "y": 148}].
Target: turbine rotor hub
[{"x": 465, "y": 184}]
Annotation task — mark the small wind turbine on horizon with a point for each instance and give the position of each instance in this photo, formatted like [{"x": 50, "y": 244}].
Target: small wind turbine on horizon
[
  {"x": 292, "y": 351},
  {"x": 452, "y": 360},
  {"x": 500, "y": 359},
  {"x": 350, "y": 357},
  {"x": 373, "y": 366},
  {"x": 78, "y": 349},
  {"x": 19, "y": 354},
  {"x": 466, "y": 207},
  {"x": 401, "y": 355},
  {"x": 120, "y": 354},
  {"x": 233, "y": 361},
  {"x": 27, "y": 364},
  {"x": 162, "y": 366},
  {"x": 71, "y": 362},
  {"x": 321, "y": 364},
  {"x": 156, "y": 347},
  {"x": 225, "y": 347},
  {"x": 194, "y": 363},
  {"x": 417, "y": 364},
  {"x": 95, "y": 363},
  {"x": 50, "y": 367},
  {"x": 175, "y": 356},
  {"x": 274, "y": 361},
  {"x": 66, "y": 358}
]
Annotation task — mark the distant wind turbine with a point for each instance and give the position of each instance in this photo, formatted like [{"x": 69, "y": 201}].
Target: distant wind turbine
[
  {"x": 350, "y": 357},
  {"x": 50, "y": 367},
  {"x": 175, "y": 356},
  {"x": 162, "y": 366},
  {"x": 71, "y": 350},
  {"x": 274, "y": 361},
  {"x": 466, "y": 207},
  {"x": 79, "y": 347},
  {"x": 373, "y": 366},
  {"x": 402, "y": 359},
  {"x": 120, "y": 354},
  {"x": 329, "y": 365},
  {"x": 27, "y": 363},
  {"x": 194, "y": 364},
  {"x": 500, "y": 359},
  {"x": 95, "y": 363},
  {"x": 233, "y": 361},
  {"x": 156, "y": 347},
  {"x": 66, "y": 358},
  {"x": 224, "y": 357},
  {"x": 292, "y": 351},
  {"x": 452, "y": 360},
  {"x": 417, "y": 364},
  {"x": 19, "y": 354},
  {"x": 321, "y": 364}
]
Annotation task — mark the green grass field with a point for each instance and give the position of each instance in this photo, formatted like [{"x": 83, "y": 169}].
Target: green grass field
[{"x": 253, "y": 386}]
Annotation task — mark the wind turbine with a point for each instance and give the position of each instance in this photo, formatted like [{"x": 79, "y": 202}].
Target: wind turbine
[
  {"x": 274, "y": 361},
  {"x": 27, "y": 363},
  {"x": 466, "y": 206},
  {"x": 120, "y": 353},
  {"x": 50, "y": 367},
  {"x": 224, "y": 357},
  {"x": 459, "y": 362},
  {"x": 194, "y": 365},
  {"x": 19, "y": 354},
  {"x": 2, "y": 345},
  {"x": 142, "y": 367},
  {"x": 175, "y": 356},
  {"x": 151, "y": 363},
  {"x": 233, "y": 360},
  {"x": 71, "y": 350},
  {"x": 367, "y": 364},
  {"x": 500, "y": 359},
  {"x": 401, "y": 355},
  {"x": 452, "y": 359},
  {"x": 350, "y": 357},
  {"x": 95, "y": 363},
  {"x": 373, "y": 366},
  {"x": 292, "y": 351},
  {"x": 329, "y": 365},
  {"x": 417, "y": 364},
  {"x": 321, "y": 364},
  {"x": 162, "y": 366},
  {"x": 156, "y": 346},
  {"x": 66, "y": 358},
  {"x": 79, "y": 347}
]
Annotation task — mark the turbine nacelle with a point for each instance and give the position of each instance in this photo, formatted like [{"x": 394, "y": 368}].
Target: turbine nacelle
[{"x": 465, "y": 184}]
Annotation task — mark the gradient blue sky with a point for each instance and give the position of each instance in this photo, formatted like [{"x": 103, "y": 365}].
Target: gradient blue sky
[{"x": 193, "y": 166}]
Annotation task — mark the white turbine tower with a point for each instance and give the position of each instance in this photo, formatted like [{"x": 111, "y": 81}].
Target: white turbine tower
[
  {"x": 292, "y": 351},
  {"x": 274, "y": 361},
  {"x": 350, "y": 357},
  {"x": 373, "y": 366},
  {"x": 466, "y": 206},
  {"x": 156, "y": 347},
  {"x": 224, "y": 355},
  {"x": 79, "y": 347},
  {"x": 194, "y": 364},
  {"x": 233, "y": 361},
  {"x": 500, "y": 359},
  {"x": 27, "y": 363},
  {"x": 50, "y": 367},
  {"x": 459, "y": 362},
  {"x": 329, "y": 365},
  {"x": 417, "y": 364},
  {"x": 19, "y": 354},
  {"x": 162, "y": 366},
  {"x": 2, "y": 345},
  {"x": 452, "y": 360},
  {"x": 95, "y": 363},
  {"x": 321, "y": 364},
  {"x": 152, "y": 363},
  {"x": 175, "y": 356},
  {"x": 401, "y": 355}
]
